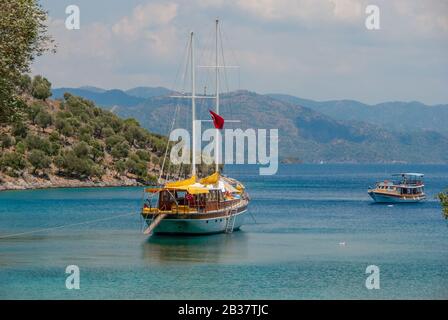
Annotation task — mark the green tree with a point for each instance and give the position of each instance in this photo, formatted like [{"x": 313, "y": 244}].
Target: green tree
[
  {"x": 74, "y": 166},
  {"x": 134, "y": 135},
  {"x": 35, "y": 142},
  {"x": 23, "y": 37},
  {"x": 40, "y": 88},
  {"x": 44, "y": 119},
  {"x": 107, "y": 132},
  {"x": 82, "y": 150},
  {"x": 143, "y": 155},
  {"x": 13, "y": 161},
  {"x": 24, "y": 84},
  {"x": 19, "y": 129},
  {"x": 34, "y": 110},
  {"x": 39, "y": 160},
  {"x": 64, "y": 127},
  {"x": 120, "y": 166},
  {"x": 96, "y": 149},
  {"x": 443, "y": 196},
  {"x": 55, "y": 137},
  {"x": 114, "y": 140},
  {"x": 6, "y": 141},
  {"x": 120, "y": 150},
  {"x": 20, "y": 147}
]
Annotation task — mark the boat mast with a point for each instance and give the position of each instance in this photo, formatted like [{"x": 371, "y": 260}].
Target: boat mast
[
  {"x": 193, "y": 106},
  {"x": 217, "y": 97}
]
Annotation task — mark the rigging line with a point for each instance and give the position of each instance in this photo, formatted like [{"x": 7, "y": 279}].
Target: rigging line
[
  {"x": 168, "y": 143},
  {"x": 239, "y": 99},
  {"x": 182, "y": 85},
  {"x": 180, "y": 66},
  {"x": 204, "y": 76},
  {"x": 230, "y": 107},
  {"x": 223, "y": 60},
  {"x": 225, "y": 72},
  {"x": 233, "y": 53},
  {"x": 64, "y": 226}
]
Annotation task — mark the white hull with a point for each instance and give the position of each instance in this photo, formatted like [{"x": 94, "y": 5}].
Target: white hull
[
  {"x": 382, "y": 198},
  {"x": 198, "y": 226}
]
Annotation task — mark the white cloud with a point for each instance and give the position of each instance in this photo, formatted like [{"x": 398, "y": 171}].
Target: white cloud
[
  {"x": 428, "y": 17},
  {"x": 144, "y": 18},
  {"x": 305, "y": 11},
  {"x": 314, "y": 48}
]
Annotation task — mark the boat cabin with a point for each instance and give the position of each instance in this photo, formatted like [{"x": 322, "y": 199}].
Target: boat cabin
[
  {"x": 190, "y": 196},
  {"x": 409, "y": 184}
]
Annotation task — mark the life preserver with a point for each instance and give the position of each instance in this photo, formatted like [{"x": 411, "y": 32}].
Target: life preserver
[{"x": 190, "y": 199}]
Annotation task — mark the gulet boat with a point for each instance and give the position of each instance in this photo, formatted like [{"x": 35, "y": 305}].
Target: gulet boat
[
  {"x": 409, "y": 189},
  {"x": 213, "y": 204}
]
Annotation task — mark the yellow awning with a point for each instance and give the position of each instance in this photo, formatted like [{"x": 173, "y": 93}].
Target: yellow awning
[
  {"x": 181, "y": 183},
  {"x": 196, "y": 190},
  {"x": 211, "y": 179}
]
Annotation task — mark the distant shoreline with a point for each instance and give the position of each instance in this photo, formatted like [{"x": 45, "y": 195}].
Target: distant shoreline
[{"x": 35, "y": 184}]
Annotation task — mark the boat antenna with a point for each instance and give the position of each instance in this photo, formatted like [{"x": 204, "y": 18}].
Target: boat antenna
[
  {"x": 193, "y": 106},
  {"x": 217, "y": 95}
]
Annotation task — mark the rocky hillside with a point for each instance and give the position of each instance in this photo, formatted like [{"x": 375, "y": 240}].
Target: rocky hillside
[{"x": 71, "y": 142}]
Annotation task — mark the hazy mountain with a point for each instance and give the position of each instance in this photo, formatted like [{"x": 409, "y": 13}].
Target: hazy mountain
[
  {"x": 402, "y": 116},
  {"x": 148, "y": 92},
  {"x": 304, "y": 133},
  {"x": 107, "y": 98},
  {"x": 93, "y": 89},
  {"x": 307, "y": 130},
  {"x": 114, "y": 97}
]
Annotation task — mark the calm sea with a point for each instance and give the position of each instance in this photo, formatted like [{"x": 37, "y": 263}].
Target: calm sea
[{"x": 313, "y": 232}]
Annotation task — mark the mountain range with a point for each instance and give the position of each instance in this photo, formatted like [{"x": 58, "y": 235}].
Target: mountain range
[
  {"x": 397, "y": 115},
  {"x": 343, "y": 131},
  {"x": 114, "y": 97}
]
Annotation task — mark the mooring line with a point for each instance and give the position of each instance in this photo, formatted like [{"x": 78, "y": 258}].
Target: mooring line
[{"x": 64, "y": 226}]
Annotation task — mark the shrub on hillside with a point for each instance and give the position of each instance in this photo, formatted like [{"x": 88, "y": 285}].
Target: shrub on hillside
[
  {"x": 6, "y": 141},
  {"x": 34, "y": 142},
  {"x": 120, "y": 150},
  {"x": 96, "y": 149},
  {"x": 39, "y": 160},
  {"x": 34, "y": 110},
  {"x": 24, "y": 85},
  {"x": 44, "y": 119},
  {"x": 74, "y": 166},
  {"x": 40, "y": 88},
  {"x": 114, "y": 140},
  {"x": 19, "y": 129},
  {"x": 13, "y": 161},
  {"x": 64, "y": 127},
  {"x": 82, "y": 150}
]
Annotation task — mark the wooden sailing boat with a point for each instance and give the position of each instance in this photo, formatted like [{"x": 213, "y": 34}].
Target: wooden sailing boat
[{"x": 213, "y": 204}]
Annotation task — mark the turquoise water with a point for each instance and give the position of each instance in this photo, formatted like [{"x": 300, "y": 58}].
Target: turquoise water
[{"x": 294, "y": 250}]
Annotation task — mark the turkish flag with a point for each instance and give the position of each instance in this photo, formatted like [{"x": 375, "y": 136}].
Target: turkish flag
[{"x": 218, "y": 121}]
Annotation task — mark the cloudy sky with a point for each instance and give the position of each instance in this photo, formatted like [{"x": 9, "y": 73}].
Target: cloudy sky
[{"x": 316, "y": 49}]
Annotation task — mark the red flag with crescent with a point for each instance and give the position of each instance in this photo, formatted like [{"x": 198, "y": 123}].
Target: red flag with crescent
[{"x": 218, "y": 121}]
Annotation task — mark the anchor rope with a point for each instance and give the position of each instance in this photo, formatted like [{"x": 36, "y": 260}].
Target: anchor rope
[{"x": 64, "y": 226}]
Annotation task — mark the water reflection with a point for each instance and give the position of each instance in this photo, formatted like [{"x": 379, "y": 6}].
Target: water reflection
[{"x": 222, "y": 248}]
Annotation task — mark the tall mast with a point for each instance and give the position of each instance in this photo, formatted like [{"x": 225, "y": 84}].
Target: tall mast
[
  {"x": 193, "y": 106},
  {"x": 217, "y": 97}
]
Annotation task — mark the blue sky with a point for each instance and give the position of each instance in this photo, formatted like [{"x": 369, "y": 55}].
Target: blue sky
[{"x": 316, "y": 49}]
